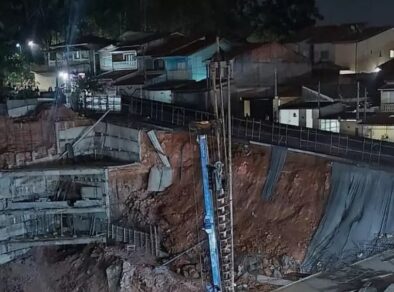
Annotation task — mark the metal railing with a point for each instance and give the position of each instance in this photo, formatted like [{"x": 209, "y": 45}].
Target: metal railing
[{"x": 353, "y": 148}]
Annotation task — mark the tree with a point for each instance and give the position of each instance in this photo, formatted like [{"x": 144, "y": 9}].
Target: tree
[
  {"x": 17, "y": 71},
  {"x": 276, "y": 19}
]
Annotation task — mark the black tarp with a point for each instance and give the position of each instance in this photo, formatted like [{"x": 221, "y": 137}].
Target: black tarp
[
  {"x": 358, "y": 219},
  {"x": 278, "y": 159}
]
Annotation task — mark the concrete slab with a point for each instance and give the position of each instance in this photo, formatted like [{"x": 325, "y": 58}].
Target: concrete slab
[{"x": 160, "y": 178}]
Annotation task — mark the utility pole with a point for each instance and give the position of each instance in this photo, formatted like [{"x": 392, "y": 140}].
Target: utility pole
[
  {"x": 358, "y": 101},
  {"x": 276, "y": 97},
  {"x": 318, "y": 96},
  {"x": 365, "y": 103},
  {"x": 230, "y": 161}
]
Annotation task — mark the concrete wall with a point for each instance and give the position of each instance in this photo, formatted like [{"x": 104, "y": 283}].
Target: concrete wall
[
  {"x": 325, "y": 48},
  {"x": 348, "y": 127},
  {"x": 106, "y": 140},
  {"x": 289, "y": 117},
  {"x": 380, "y": 132},
  {"x": 44, "y": 81},
  {"x": 20, "y": 107},
  {"x": 247, "y": 73},
  {"x": 159, "y": 95}
]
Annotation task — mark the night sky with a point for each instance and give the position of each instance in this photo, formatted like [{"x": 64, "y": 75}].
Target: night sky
[{"x": 375, "y": 12}]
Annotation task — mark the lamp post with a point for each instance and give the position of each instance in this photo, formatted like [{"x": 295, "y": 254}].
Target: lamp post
[{"x": 18, "y": 45}]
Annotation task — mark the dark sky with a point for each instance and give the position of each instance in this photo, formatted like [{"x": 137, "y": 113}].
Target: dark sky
[{"x": 375, "y": 12}]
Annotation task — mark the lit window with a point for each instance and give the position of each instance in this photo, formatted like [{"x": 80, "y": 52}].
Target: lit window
[
  {"x": 391, "y": 53},
  {"x": 77, "y": 55}
]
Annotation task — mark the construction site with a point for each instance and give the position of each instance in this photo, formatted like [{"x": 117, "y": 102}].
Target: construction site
[{"x": 160, "y": 198}]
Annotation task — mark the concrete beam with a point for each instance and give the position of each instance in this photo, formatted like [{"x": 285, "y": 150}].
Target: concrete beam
[
  {"x": 23, "y": 244},
  {"x": 92, "y": 210},
  {"x": 54, "y": 172},
  {"x": 156, "y": 144},
  {"x": 54, "y": 205}
]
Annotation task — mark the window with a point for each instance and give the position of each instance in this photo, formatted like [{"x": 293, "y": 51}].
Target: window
[
  {"x": 149, "y": 64},
  {"x": 84, "y": 54},
  {"x": 391, "y": 53},
  {"x": 159, "y": 64},
  {"x": 129, "y": 58},
  {"x": 181, "y": 65},
  {"x": 52, "y": 56},
  {"x": 324, "y": 55},
  {"x": 77, "y": 55},
  {"x": 117, "y": 57}
]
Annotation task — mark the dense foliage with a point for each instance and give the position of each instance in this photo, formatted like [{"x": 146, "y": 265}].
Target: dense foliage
[{"x": 52, "y": 21}]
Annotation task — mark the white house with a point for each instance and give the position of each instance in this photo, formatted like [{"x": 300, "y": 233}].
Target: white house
[
  {"x": 114, "y": 58},
  {"x": 355, "y": 47},
  {"x": 306, "y": 114},
  {"x": 66, "y": 60},
  {"x": 387, "y": 97},
  {"x": 379, "y": 127}
]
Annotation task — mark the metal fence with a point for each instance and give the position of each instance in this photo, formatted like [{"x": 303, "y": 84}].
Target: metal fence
[{"x": 354, "y": 148}]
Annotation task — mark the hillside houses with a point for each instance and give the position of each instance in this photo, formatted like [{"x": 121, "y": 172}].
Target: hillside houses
[
  {"x": 332, "y": 78},
  {"x": 356, "y": 47}
]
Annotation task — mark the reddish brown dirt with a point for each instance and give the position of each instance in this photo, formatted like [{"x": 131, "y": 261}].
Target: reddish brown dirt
[{"x": 284, "y": 225}]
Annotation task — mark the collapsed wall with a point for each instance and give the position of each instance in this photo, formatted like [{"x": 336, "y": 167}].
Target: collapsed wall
[{"x": 32, "y": 138}]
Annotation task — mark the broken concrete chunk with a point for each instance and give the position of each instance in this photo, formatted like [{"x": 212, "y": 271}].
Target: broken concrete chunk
[
  {"x": 114, "y": 274},
  {"x": 160, "y": 178}
]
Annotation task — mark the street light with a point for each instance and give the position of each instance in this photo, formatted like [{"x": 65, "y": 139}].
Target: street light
[
  {"x": 18, "y": 45},
  {"x": 31, "y": 44},
  {"x": 63, "y": 75}
]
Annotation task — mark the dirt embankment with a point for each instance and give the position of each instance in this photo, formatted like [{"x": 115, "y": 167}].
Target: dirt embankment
[{"x": 282, "y": 226}]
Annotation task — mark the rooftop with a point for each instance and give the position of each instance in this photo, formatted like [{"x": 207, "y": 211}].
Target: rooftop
[
  {"x": 85, "y": 41},
  {"x": 192, "y": 46},
  {"x": 336, "y": 91},
  {"x": 346, "y": 116},
  {"x": 170, "y": 85},
  {"x": 139, "y": 79},
  {"x": 305, "y": 105},
  {"x": 380, "y": 119},
  {"x": 114, "y": 75},
  {"x": 171, "y": 44},
  {"x": 265, "y": 51},
  {"x": 388, "y": 86},
  {"x": 338, "y": 33}
]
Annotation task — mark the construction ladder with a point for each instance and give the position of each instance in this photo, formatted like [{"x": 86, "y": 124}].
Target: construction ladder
[{"x": 224, "y": 224}]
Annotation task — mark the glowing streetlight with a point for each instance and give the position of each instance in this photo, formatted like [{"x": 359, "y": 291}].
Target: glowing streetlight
[
  {"x": 18, "y": 45},
  {"x": 63, "y": 75},
  {"x": 31, "y": 44}
]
